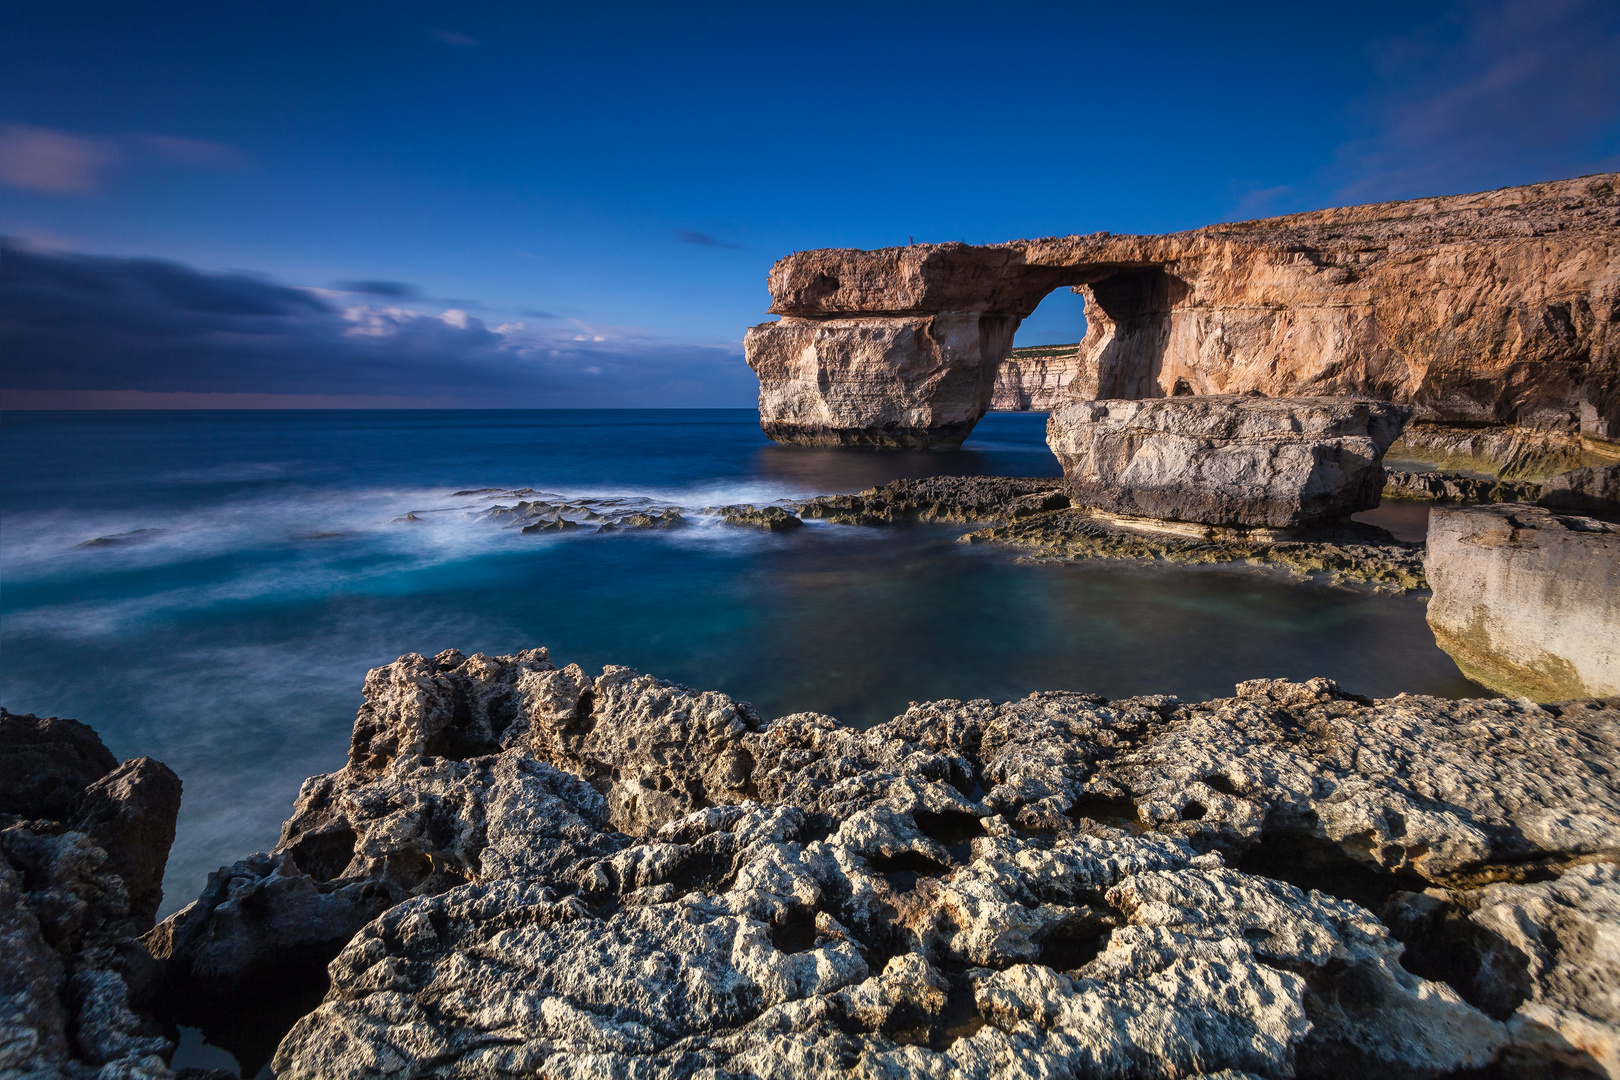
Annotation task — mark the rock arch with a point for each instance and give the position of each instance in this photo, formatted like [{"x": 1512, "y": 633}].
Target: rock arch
[{"x": 1491, "y": 309}]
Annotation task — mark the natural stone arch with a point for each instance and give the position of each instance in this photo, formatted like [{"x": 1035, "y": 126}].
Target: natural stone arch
[{"x": 1496, "y": 308}]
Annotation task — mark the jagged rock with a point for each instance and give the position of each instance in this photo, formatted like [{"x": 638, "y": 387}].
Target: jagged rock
[
  {"x": 1527, "y": 601},
  {"x": 1455, "y": 487},
  {"x": 617, "y": 875},
  {"x": 941, "y": 498},
  {"x": 131, "y": 813},
  {"x": 1443, "y": 304},
  {"x": 1230, "y": 460},
  {"x": 769, "y": 518},
  {"x": 46, "y": 763},
  {"x": 1594, "y": 492},
  {"x": 83, "y": 843}
]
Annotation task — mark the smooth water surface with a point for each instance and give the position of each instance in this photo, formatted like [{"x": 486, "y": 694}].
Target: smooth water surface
[{"x": 231, "y": 637}]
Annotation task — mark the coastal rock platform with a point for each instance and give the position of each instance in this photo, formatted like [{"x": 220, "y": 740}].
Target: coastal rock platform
[{"x": 617, "y": 875}]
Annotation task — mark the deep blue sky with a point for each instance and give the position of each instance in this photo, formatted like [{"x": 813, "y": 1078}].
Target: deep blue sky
[{"x": 629, "y": 173}]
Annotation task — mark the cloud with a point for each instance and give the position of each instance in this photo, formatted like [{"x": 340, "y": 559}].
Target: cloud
[
  {"x": 73, "y": 323},
  {"x": 450, "y": 37},
  {"x": 44, "y": 159},
  {"x": 1260, "y": 202},
  {"x": 1506, "y": 92},
  {"x": 372, "y": 287},
  {"x": 687, "y": 236}
]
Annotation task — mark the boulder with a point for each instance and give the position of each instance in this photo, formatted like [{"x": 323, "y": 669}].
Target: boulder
[
  {"x": 46, "y": 763},
  {"x": 81, "y": 871},
  {"x": 1594, "y": 492},
  {"x": 1527, "y": 601},
  {"x": 1491, "y": 313},
  {"x": 1228, "y": 460}
]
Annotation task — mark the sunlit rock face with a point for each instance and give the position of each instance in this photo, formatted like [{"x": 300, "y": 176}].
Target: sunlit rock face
[
  {"x": 1526, "y": 600},
  {"x": 1496, "y": 308},
  {"x": 1228, "y": 459}
]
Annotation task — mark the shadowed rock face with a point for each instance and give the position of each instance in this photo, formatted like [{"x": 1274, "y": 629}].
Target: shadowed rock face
[{"x": 1494, "y": 308}]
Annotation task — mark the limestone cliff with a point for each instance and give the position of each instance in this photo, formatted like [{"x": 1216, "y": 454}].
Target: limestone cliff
[
  {"x": 1496, "y": 308},
  {"x": 1035, "y": 379}
]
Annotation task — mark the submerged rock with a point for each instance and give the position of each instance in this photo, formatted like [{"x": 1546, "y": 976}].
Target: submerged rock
[
  {"x": 1527, "y": 601},
  {"x": 769, "y": 518},
  {"x": 1231, "y": 460},
  {"x": 616, "y": 875}
]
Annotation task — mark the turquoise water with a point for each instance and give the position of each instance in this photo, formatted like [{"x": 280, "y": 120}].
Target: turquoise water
[{"x": 230, "y": 638}]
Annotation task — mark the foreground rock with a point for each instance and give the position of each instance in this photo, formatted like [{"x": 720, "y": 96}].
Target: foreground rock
[
  {"x": 615, "y": 875},
  {"x": 1231, "y": 460},
  {"x": 1494, "y": 310},
  {"x": 1527, "y": 601},
  {"x": 83, "y": 842}
]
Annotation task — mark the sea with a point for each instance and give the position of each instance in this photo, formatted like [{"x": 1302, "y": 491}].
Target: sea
[{"x": 210, "y": 588}]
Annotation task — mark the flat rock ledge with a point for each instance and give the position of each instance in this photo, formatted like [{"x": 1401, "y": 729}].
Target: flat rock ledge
[
  {"x": 614, "y": 875},
  {"x": 1036, "y": 516}
]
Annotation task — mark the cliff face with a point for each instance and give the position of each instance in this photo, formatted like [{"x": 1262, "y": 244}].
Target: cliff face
[
  {"x": 1497, "y": 308},
  {"x": 1035, "y": 379}
]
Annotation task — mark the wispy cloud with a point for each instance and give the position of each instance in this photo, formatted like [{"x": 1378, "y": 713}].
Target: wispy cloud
[
  {"x": 72, "y": 163},
  {"x": 1504, "y": 92},
  {"x": 79, "y": 323},
  {"x": 450, "y": 37},
  {"x": 702, "y": 239},
  {"x": 44, "y": 159}
]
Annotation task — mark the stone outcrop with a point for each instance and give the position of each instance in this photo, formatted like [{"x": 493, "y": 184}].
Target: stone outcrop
[
  {"x": 1230, "y": 460},
  {"x": 1036, "y": 378},
  {"x": 80, "y": 876},
  {"x": 1510, "y": 452},
  {"x": 615, "y": 875},
  {"x": 1455, "y": 487},
  {"x": 1593, "y": 492},
  {"x": 1493, "y": 309},
  {"x": 1034, "y": 514},
  {"x": 1527, "y": 601}
]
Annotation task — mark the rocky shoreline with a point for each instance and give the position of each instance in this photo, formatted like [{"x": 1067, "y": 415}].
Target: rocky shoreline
[{"x": 527, "y": 870}]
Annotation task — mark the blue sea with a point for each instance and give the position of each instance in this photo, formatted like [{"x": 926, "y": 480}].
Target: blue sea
[{"x": 246, "y": 569}]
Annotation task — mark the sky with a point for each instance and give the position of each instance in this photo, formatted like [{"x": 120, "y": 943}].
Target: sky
[{"x": 483, "y": 204}]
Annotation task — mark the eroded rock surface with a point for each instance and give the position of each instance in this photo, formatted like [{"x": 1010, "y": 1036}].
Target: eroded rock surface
[
  {"x": 1036, "y": 378},
  {"x": 1591, "y": 492},
  {"x": 1230, "y": 460},
  {"x": 80, "y": 877},
  {"x": 1034, "y": 515},
  {"x": 615, "y": 875},
  {"x": 1455, "y": 487},
  {"x": 1496, "y": 308},
  {"x": 1526, "y": 600}
]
